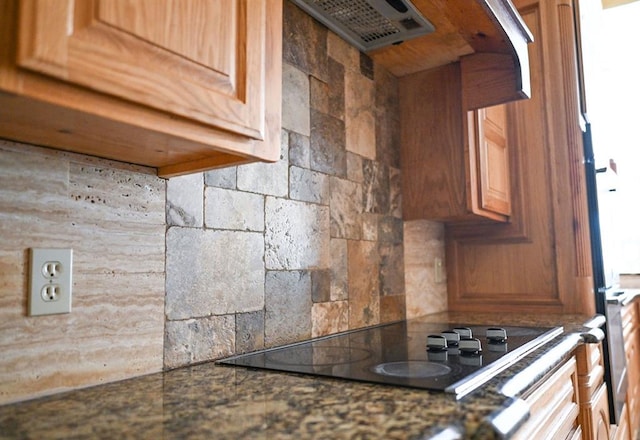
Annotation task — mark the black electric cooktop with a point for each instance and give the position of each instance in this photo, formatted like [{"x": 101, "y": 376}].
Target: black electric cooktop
[{"x": 454, "y": 357}]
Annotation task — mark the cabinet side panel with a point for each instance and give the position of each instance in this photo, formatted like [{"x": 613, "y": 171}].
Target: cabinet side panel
[{"x": 431, "y": 154}]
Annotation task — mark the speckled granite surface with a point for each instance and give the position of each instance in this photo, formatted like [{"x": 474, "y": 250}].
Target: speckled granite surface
[{"x": 210, "y": 401}]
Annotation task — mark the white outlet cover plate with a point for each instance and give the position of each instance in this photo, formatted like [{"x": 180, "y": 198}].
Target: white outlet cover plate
[{"x": 38, "y": 280}]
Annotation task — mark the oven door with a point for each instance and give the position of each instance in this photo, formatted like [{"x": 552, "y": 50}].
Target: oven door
[{"x": 615, "y": 356}]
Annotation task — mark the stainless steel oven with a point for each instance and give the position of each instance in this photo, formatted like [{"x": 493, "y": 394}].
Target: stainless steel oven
[{"x": 615, "y": 359}]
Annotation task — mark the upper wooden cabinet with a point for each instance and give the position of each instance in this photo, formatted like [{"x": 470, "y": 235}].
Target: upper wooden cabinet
[
  {"x": 455, "y": 163},
  {"x": 179, "y": 86},
  {"x": 541, "y": 259}
]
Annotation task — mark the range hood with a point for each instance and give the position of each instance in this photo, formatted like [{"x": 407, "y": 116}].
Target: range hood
[
  {"x": 487, "y": 37},
  {"x": 369, "y": 24}
]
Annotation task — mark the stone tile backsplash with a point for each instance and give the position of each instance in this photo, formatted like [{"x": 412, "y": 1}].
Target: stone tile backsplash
[{"x": 266, "y": 254}]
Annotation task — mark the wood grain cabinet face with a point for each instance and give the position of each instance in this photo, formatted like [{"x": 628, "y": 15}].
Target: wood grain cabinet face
[
  {"x": 455, "y": 163},
  {"x": 594, "y": 403},
  {"x": 553, "y": 406},
  {"x": 487, "y": 132},
  {"x": 204, "y": 72},
  {"x": 540, "y": 260},
  {"x": 631, "y": 333}
]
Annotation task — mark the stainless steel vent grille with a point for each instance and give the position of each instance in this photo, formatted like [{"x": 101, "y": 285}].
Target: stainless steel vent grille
[{"x": 369, "y": 24}]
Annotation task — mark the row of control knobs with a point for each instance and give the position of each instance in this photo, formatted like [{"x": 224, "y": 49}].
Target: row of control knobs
[{"x": 462, "y": 338}]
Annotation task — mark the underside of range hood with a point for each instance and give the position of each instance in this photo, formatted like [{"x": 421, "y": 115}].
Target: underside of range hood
[{"x": 369, "y": 24}]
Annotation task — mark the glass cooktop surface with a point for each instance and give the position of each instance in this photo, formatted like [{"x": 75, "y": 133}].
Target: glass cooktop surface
[{"x": 397, "y": 354}]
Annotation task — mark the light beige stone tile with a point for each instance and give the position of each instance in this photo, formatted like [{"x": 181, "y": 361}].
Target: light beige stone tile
[
  {"x": 364, "y": 285},
  {"x": 265, "y": 178},
  {"x": 329, "y": 318},
  {"x": 295, "y": 100},
  {"x": 343, "y": 52},
  {"x": 199, "y": 340},
  {"x": 339, "y": 272},
  {"x": 213, "y": 272},
  {"x": 227, "y": 209},
  {"x": 370, "y": 226},
  {"x": 423, "y": 242},
  {"x": 184, "y": 200},
  {"x": 308, "y": 186},
  {"x": 354, "y": 167},
  {"x": 346, "y": 209},
  {"x": 296, "y": 236},
  {"x": 360, "y": 122},
  {"x": 113, "y": 217},
  {"x": 288, "y": 307}
]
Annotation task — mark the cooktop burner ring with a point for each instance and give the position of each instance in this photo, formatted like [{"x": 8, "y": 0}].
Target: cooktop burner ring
[{"x": 411, "y": 369}]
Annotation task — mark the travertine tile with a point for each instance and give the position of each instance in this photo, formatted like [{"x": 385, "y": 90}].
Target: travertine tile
[
  {"x": 395, "y": 193},
  {"x": 305, "y": 42},
  {"x": 299, "y": 150},
  {"x": 184, "y": 200},
  {"x": 360, "y": 123},
  {"x": 112, "y": 216},
  {"x": 336, "y": 92},
  {"x": 423, "y": 241},
  {"x": 249, "y": 331},
  {"x": 376, "y": 189},
  {"x": 198, "y": 340},
  {"x": 320, "y": 285},
  {"x": 319, "y": 95},
  {"x": 296, "y": 236},
  {"x": 354, "y": 167},
  {"x": 390, "y": 230},
  {"x": 329, "y": 318},
  {"x": 328, "y": 154},
  {"x": 265, "y": 178},
  {"x": 370, "y": 226},
  {"x": 346, "y": 209},
  {"x": 391, "y": 269},
  {"x": 339, "y": 272},
  {"x": 295, "y": 100},
  {"x": 213, "y": 272},
  {"x": 308, "y": 186},
  {"x": 227, "y": 209},
  {"x": 221, "y": 178},
  {"x": 364, "y": 288},
  {"x": 387, "y": 118},
  {"x": 343, "y": 52},
  {"x": 392, "y": 308},
  {"x": 288, "y": 307}
]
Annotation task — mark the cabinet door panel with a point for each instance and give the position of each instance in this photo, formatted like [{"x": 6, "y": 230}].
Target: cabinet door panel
[
  {"x": 166, "y": 55},
  {"x": 494, "y": 160}
]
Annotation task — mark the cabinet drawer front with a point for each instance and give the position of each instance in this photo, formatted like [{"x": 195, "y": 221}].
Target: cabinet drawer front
[
  {"x": 553, "y": 406},
  {"x": 201, "y": 60}
]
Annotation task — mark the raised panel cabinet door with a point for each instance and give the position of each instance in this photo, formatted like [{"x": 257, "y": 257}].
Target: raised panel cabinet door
[
  {"x": 493, "y": 160},
  {"x": 197, "y": 59}
]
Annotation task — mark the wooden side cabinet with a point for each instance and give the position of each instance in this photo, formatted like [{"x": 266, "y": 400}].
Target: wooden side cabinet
[
  {"x": 631, "y": 334},
  {"x": 594, "y": 404},
  {"x": 455, "y": 163},
  {"x": 177, "y": 86},
  {"x": 554, "y": 407}
]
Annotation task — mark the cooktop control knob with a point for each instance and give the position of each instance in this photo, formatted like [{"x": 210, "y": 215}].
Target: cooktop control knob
[
  {"x": 452, "y": 337},
  {"x": 464, "y": 332},
  {"x": 496, "y": 335},
  {"x": 436, "y": 343},
  {"x": 470, "y": 346}
]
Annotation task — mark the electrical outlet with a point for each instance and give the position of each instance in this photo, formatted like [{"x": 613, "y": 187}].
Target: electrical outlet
[{"x": 50, "y": 287}]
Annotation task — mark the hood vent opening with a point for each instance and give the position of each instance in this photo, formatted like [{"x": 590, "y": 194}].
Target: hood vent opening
[{"x": 369, "y": 24}]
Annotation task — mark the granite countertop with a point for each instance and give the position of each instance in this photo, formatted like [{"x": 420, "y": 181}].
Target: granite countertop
[{"x": 213, "y": 401}]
